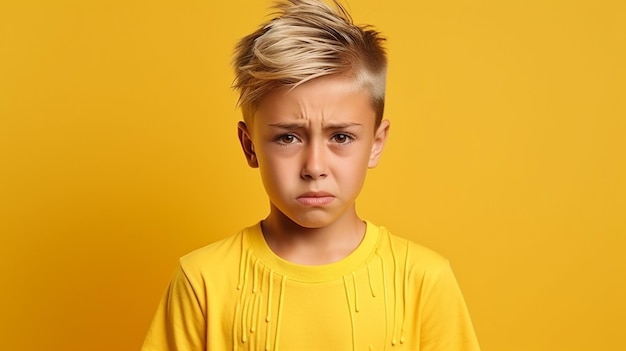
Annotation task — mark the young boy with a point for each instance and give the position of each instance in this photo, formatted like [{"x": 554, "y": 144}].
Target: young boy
[{"x": 312, "y": 275}]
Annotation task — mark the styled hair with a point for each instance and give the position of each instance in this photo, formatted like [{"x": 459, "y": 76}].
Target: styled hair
[{"x": 308, "y": 39}]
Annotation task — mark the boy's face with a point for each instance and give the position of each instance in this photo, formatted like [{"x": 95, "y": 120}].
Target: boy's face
[{"x": 313, "y": 146}]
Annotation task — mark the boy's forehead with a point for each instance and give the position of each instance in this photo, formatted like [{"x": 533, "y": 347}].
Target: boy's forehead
[{"x": 326, "y": 99}]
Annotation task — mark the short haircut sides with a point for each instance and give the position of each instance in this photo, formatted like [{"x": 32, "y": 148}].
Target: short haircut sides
[{"x": 304, "y": 40}]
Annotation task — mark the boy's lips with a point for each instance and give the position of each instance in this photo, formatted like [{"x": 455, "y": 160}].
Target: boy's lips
[{"x": 315, "y": 198}]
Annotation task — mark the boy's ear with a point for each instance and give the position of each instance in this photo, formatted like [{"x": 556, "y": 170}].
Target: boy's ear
[
  {"x": 380, "y": 138},
  {"x": 246, "y": 144}
]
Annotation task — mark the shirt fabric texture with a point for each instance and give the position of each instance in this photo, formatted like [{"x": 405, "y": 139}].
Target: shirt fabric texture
[{"x": 388, "y": 294}]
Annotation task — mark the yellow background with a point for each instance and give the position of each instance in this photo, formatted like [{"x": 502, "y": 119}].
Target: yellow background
[{"x": 118, "y": 154}]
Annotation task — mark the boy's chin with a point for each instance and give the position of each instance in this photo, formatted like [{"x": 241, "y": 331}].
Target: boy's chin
[
  {"x": 308, "y": 222},
  {"x": 315, "y": 219}
]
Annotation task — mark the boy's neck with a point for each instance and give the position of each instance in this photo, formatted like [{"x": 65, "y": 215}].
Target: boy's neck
[{"x": 313, "y": 246}]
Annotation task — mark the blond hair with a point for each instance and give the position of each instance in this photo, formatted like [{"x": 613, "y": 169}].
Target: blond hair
[{"x": 305, "y": 40}]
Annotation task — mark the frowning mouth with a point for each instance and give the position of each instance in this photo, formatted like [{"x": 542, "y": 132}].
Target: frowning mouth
[{"x": 314, "y": 199}]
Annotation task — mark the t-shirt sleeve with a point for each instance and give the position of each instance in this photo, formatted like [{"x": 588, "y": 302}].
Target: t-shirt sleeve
[
  {"x": 179, "y": 322},
  {"x": 446, "y": 325}
]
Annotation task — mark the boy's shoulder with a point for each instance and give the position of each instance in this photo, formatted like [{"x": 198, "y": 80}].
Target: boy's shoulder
[
  {"x": 398, "y": 247},
  {"x": 221, "y": 253}
]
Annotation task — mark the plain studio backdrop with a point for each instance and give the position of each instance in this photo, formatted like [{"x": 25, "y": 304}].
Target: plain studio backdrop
[{"x": 118, "y": 154}]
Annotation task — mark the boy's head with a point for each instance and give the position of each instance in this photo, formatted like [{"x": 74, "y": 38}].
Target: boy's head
[
  {"x": 312, "y": 93},
  {"x": 306, "y": 40}
]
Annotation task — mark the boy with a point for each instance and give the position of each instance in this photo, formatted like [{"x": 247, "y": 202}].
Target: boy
[{"x": 312, "y": 275}]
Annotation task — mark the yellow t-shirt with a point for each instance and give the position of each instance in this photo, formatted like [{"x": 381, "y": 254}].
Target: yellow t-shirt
[{"x": 236, "y": 294}]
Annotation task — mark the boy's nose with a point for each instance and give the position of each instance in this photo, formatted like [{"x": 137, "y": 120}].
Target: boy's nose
[{"x": 314, "y": 165}]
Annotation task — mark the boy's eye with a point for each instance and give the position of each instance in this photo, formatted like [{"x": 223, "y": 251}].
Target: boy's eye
[
  {"x": 287, "y": 139},
  {"x": 341, "y": 138}
]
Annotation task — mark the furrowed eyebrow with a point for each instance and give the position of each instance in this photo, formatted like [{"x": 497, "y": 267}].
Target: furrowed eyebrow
[
  {"x": 341, "y": 125},
  {"x": 288, "y": 126},
  {"x": 294, "y": 126}
]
